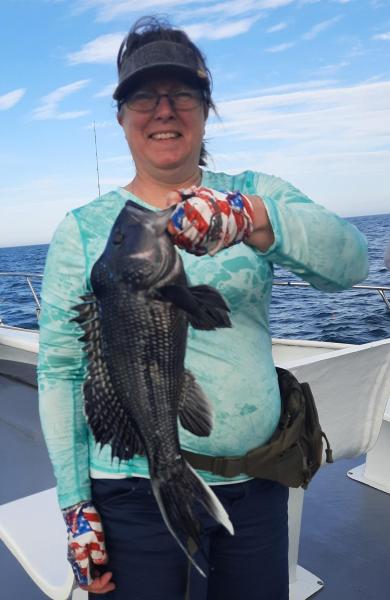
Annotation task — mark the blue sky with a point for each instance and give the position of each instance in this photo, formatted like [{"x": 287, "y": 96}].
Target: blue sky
[{"x": 302, "y": 88}]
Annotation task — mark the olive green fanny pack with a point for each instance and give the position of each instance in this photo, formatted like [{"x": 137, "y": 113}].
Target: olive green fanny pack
[{"x": 293, "y": 454}]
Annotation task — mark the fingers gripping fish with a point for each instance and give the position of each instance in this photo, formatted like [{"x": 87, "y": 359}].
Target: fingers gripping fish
[{"x": 135, "y": 332}]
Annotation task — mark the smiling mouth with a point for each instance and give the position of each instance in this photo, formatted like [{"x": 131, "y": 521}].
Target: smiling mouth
[{"x": 169, "y": 135}]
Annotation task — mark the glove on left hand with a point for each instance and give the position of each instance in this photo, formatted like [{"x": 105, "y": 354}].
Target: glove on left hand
[
  {"x": 207, "y": 220},
  {"x": 85, "y": 540}
]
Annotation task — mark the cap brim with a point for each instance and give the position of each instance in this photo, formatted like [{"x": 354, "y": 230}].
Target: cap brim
[
  {"x": 157, "y": 58},
  {"x": 130, "y": 84}
]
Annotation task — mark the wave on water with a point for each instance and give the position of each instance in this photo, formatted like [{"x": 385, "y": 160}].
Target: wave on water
[{"x": 351, "y": 317}]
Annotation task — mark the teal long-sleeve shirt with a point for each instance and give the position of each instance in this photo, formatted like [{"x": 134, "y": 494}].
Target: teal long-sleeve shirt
[{"x": 233, "y": 366}]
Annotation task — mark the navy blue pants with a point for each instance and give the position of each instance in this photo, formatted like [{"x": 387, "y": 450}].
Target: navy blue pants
[{"x": 148, "y": 564}]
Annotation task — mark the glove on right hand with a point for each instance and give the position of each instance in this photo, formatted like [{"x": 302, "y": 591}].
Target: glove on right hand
[
  {"x": 85, "y": 540},
  {"x": 205, "y": 221}
]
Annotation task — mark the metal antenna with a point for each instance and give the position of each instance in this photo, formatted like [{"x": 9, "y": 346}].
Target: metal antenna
[{"x": 97, "y": 160}]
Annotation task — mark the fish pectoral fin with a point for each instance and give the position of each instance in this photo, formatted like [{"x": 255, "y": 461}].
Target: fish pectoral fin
[
  {"x": 195, "y": 410},
  {"x": 179, "y": 295},
  {"x": 208, "y": 295},
  {"x": 212, "y": 308},
  {"x": 205, "y": 307}
]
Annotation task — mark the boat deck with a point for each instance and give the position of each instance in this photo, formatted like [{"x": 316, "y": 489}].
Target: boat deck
[{"x": 345, "y": 537}]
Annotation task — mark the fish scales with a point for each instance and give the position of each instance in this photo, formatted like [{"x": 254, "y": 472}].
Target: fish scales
[
  {"x": 135, "y": 325},
  {"x": 157, "y": 363}
]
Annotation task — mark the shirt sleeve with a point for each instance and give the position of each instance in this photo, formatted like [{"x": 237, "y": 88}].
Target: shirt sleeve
[
  {"x": 321, "y": 248},
  {"x": 61, "y": 365}
]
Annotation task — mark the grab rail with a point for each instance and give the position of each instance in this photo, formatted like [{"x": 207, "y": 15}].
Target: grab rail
[
  {"x": 28, "y": 277},
  {"x": 381, "y": 289}
]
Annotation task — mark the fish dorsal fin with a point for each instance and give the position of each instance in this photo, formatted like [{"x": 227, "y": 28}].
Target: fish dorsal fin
[
  {"x": 109, "y": 422},
  {"x": 205, "y": 307},
  {"x": 195, "y": 411}
]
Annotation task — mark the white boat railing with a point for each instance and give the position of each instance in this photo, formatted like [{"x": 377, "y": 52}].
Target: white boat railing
[
  {"x": 28, "y": 277},
  {"x": 380, "y": 289}
]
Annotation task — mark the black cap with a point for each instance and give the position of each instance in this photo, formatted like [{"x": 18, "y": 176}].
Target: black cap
[{"x": 163, "y": 56}]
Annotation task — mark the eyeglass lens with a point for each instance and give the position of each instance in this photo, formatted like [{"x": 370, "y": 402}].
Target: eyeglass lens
[{"x": 148, "y": 101}]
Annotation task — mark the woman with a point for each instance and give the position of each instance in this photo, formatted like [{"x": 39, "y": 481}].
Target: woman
[{"x": 164, "y": 97}]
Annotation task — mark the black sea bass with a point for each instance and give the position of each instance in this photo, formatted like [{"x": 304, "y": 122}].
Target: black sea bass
[{"x": 135, "y": 325}]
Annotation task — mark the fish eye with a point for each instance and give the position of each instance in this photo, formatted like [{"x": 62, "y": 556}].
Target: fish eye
[{"x": 118, "y": 237}]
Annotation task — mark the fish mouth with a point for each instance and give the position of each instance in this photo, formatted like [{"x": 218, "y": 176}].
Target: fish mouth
[
  {"x": 166, "y": 267},
  {"x": 169, "y": 265}
]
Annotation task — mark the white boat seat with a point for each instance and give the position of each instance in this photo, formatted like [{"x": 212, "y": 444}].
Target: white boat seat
[
  {"x": 375, "y": 472},
  {"x": 19, "y": 345},
  {"x": 33, "y": 530},
  {"x": 351, "y": 387}
]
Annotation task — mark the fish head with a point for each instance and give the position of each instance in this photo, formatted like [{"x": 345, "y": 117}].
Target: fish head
[{"x": 139, "y": 251}]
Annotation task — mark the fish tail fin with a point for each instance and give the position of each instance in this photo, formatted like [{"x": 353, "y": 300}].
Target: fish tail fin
[{"x": 175, "y": 495}]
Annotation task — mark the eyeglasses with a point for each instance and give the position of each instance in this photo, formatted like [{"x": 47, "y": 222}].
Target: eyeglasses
[{"x": 144, "y": 101}]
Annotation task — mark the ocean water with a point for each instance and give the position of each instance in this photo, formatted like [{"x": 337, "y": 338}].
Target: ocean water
[{"x": 353, "y": 316}]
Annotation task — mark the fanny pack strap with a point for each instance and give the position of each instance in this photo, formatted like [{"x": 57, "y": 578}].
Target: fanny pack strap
[
  {"x": 218, "y": 465},
  {"x": 294, "y": 452}
]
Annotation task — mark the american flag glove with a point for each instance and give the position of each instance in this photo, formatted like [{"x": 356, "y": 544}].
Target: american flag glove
[
  {"x": 206, "y": 220},
  {"x": 85, "y": 540}
]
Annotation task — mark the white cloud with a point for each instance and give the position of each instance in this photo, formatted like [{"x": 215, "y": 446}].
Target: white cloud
[
  {"x": 340, "y": 181},
  {"x": 70, "y": 114},
  {"x": 232, "y": 8},
  {"x": 107, "y": 91},
  {"x": 280, "y": 47},
  {"x": 333, "y": 143},
  {"x": 320, "y": 27},
  {"x": 107, "y": 10},
  {"x": 222, "y": 21},
  {"x": 382, "y": 36},
  {"x": 340, "y": 118},
  {"x": 277, "y": 27},
  {"x": 103, "y": 49},
  {"x": 333, "y": 68},
  {"x": 374, "y": 78},
  {"x": 275, "y": 3},
  {"x": 9, "y": 100},
  {"x": 217, "y": 32},
  {"x": 299, "y": 85},
  {"x": 357, "y": 49},
  {"x": 48, "y": 108}
]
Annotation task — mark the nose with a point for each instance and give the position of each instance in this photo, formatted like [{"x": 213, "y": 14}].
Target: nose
[{"x": 164, "y": 108}]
